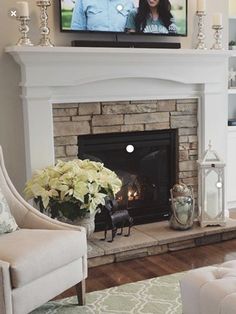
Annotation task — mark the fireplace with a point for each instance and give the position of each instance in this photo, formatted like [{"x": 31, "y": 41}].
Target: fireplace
[
  {"x": 162, "y": 133},
  {"x": 77, "y": 77},
  {"x": 145, "y": 162}
]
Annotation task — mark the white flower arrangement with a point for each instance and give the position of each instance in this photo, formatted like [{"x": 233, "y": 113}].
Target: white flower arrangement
[{"x": 73, "y": 188}]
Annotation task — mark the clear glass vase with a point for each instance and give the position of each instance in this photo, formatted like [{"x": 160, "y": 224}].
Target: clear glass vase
[{"x": 182, "y": 206}]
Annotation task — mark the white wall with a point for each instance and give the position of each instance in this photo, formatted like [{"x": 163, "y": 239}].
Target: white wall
[
  {"x": 213, "y": 6},
  {"x": 11, "y": 117}
]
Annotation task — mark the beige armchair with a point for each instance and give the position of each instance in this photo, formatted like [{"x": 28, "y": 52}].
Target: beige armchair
[{"x": 41, "y": 259}]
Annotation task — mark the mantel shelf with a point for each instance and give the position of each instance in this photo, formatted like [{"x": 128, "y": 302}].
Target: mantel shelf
[{"x": 97, "y": 50}]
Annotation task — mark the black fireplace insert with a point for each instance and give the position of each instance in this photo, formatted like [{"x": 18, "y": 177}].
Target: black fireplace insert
[{"x": 146, "y": 162}]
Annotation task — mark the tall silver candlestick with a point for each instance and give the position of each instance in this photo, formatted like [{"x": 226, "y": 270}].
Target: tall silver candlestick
[
  {"x": 201, "y": 34},
  {"x": 24, "y": 29},
  {"x": 45, "y": 40},
  {"x": 218, "y": 37}
]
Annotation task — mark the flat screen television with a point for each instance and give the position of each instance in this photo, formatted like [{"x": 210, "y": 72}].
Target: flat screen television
[{"x": 128, "y": 17}]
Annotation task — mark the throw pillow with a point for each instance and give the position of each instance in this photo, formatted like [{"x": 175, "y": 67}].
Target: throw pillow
[{"x": 7, "y": 221}]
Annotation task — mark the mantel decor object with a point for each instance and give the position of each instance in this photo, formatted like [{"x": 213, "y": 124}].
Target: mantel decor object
[
  {"x": 182, "y": 206},
  {"x": 212, "y": 189},
  {"x": 201, "y": 31},
  {"x": 217, "y": 26},
  {"x": 45, "y": 31},
  {"x": 24, "y": 29},
  {"x": 23, "y": 18},
  {"x": 218, "y": 37}
]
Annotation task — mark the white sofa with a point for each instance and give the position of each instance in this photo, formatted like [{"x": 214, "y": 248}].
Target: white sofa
[
  {"x": 210, "y": 290},
  {"x": 41, "y": 259}
]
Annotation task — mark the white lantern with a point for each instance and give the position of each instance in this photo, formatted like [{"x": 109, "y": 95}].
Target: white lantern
[{"x": 212, "y": 189}]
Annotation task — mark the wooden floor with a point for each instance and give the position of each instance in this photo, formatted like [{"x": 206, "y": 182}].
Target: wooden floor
[{"x": 115, "y": 274}]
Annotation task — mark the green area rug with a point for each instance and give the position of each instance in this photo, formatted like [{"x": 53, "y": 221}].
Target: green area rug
[{"x": 153, "y": 296}]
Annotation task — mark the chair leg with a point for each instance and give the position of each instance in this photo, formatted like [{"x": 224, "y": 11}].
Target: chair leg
[{"x": 81, "y": 291}]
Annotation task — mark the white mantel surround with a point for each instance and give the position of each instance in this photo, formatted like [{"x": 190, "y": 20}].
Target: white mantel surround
[{"x": 66, "y": 75}]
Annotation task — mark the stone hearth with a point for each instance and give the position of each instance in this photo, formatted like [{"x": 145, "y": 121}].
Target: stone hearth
[{"x": 152, "y": 239}]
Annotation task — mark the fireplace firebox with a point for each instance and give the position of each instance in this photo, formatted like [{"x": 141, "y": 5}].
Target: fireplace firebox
[{"x": 146, "y": 163}]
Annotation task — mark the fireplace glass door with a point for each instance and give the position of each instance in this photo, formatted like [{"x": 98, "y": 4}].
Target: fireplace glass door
[{"x": 146, "y": 164}]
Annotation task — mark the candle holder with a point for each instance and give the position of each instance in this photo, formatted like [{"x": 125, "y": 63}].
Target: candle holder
[
  {"x": 218, "y": 37},
  {"x": 24, "y": 29},
  {"x": 45, "y": 40},
  {"x": 201, "y": 34}
]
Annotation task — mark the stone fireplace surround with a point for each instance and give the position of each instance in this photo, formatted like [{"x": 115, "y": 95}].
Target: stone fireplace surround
[{"x": 73, "y": 120}]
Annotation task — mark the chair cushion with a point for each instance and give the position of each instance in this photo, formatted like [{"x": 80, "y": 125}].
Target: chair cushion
[
  {"x": 7, "y": 221},
  {"x": 34, "y": 253}
]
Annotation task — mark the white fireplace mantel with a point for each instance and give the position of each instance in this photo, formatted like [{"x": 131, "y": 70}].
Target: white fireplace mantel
[{"x": 66, "y": 74}]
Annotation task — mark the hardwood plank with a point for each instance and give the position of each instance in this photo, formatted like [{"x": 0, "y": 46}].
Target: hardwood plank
[{"x": 115, "y": 274}]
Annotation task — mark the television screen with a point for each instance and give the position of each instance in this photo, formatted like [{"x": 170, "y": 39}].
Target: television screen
[{"x": 165, "y": 17}]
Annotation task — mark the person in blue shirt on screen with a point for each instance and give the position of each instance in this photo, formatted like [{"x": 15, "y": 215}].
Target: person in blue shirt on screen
[{"x": 101, "y": 15}]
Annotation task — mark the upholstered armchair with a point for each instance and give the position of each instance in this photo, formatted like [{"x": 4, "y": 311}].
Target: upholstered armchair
[{"x": 41, "y": 259}]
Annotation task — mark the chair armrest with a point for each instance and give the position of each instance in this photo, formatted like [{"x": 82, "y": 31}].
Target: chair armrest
[
  {"x": 5, "y": 289},
  {"x": 36, "y": 220}
]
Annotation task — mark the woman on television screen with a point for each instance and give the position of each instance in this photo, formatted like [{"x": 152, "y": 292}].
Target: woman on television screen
[
  {"x": 152, "y": 16},
  {"x": 101, "y": 15}
]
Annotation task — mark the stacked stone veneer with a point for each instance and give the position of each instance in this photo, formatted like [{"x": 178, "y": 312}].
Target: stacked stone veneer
[{"x": 72, "y": 120}]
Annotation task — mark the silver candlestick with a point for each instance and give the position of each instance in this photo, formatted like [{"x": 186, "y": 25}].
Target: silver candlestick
[
  {"x": 24, "y": 29},
  {"x": 45, "y": 40},
  {"x": 201, "y": 35},
  {"x": 218, "y": 37}
]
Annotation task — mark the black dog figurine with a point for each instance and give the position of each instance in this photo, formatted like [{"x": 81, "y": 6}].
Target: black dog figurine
[{"x": 116, "y": 218}]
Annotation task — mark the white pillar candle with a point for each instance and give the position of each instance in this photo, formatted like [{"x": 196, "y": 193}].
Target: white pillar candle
[
  {"x": 217, "y": 19},
  {"x": 232, "y": 7},
  {"x": 212, "y": 208},
  {"x": 201, "y": 5},
  {"x": 23, "y": 8}
]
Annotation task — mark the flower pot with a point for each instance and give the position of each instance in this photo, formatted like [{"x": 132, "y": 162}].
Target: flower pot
[
  {"x": 88, "y": 222},
  {"x": 73, "y": 189}
]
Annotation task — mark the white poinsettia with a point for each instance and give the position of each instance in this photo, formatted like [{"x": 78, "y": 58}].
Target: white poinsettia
[
  {"x": 108, "y": 179},
  {"x": 95, "y": 197},
  {"x": 45, "y": 194},
  {"x": 80, "y": 190},
  {"x": 82, "y": 182},
  {"x": 90, "y": 165}
]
